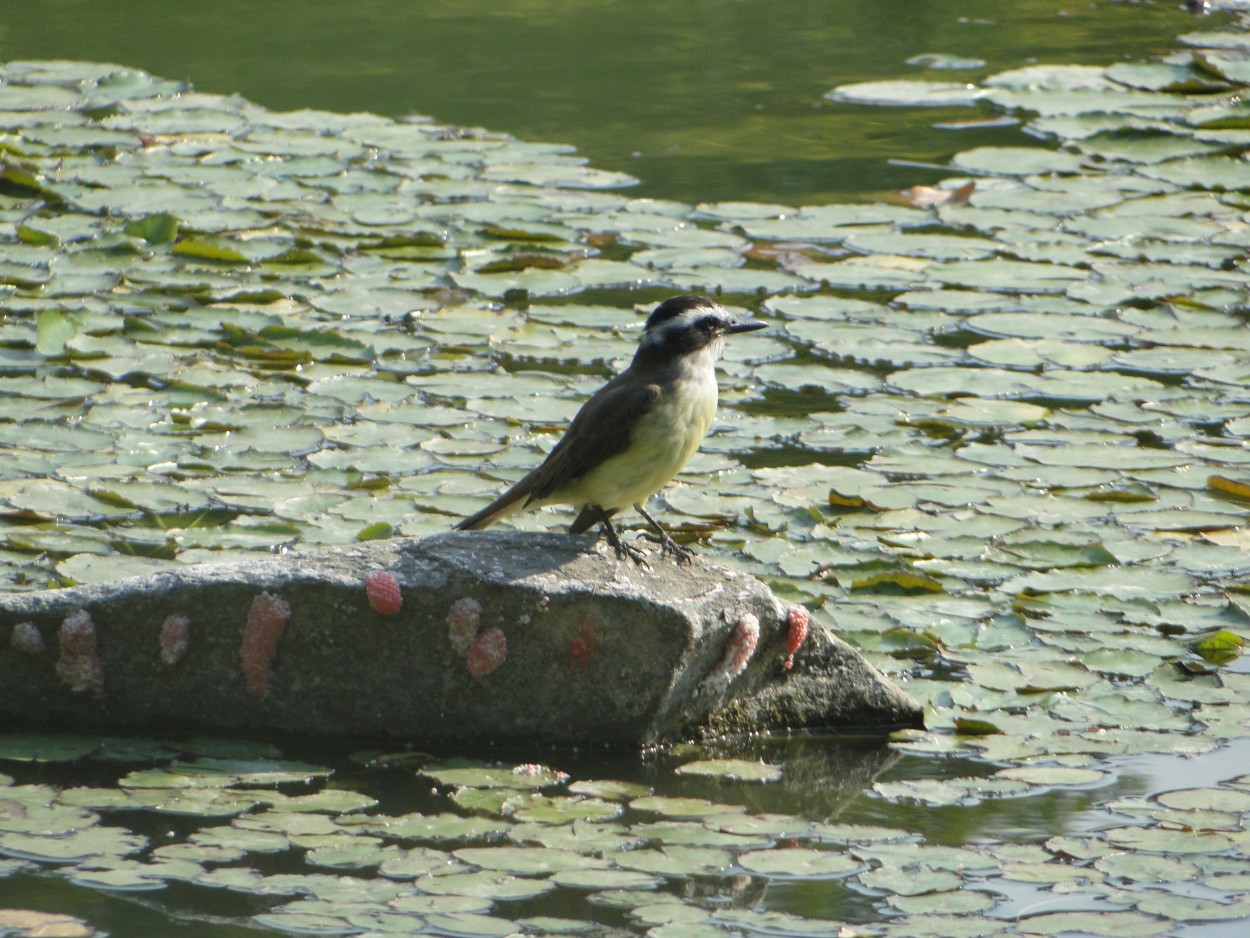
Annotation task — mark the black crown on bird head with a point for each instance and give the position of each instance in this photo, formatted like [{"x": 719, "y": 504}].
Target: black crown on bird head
[{"x": 675, "y": 306}]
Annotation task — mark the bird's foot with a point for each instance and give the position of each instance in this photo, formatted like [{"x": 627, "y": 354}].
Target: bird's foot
[
  {"x": 636, "y": 554},
  {"x": 667, "y": 544},
  {"x": 670, "y": 546},
  {"x": 623, "y": 550}
]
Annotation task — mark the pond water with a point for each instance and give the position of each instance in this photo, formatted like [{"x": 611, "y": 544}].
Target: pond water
[
  {"x": 700, "y": 101},
  {"x": 994, "y": 443}
]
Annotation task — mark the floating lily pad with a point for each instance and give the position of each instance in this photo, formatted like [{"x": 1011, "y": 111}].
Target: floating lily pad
[
  {"x": 907, "y": 93},
  {"x": 609, "y": 790},
  {"x": 566, "y": 810},
  {"x": 1015, "y": 161},
  {"x": 1053, "y": 775},
  {"x": 677, "y": 861},
  {"x": 604, "y": 879},
  {"x": 737, "y": 770},
  {"x": 910, "y": 881},
  {"x": 520, "y": 778},
  {"x": 46, "y": 748},
  {"x": 799, "y": 863},
  {"x": 432, "y": 827},
  {"x": 683, "y": 807},
  {"x": 487, "y": 884},
  {"x": 524, "y": 861},
  {"x": 1108, "y": 923}
]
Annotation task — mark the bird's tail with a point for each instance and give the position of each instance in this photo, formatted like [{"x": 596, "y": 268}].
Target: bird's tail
[
  {"x": 489, "y": 515},
  {"x": 506, "y": 504}
]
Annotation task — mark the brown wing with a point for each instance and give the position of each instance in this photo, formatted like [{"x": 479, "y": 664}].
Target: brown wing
[{"x": 601, "y": 429}]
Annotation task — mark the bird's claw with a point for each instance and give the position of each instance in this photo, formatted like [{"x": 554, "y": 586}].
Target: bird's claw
[
  {"x": 670, "y": 546},
  {"x": 667, "y": 544},
  {"x": 636, "y": 554},
  {"x": 623, "y": 550}
]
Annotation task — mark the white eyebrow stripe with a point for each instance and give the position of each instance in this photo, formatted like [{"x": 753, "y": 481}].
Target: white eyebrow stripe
[{"x": 685, "y": 319}]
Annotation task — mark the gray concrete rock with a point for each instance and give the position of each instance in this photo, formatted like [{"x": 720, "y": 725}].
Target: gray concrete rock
[{"x": 501, "y": 637}]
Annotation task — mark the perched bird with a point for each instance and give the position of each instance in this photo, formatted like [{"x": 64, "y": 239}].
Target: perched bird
[{"x": 638, "y": 430}]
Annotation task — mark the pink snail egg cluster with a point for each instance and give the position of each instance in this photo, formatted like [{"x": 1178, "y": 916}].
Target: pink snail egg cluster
[
  {"x": 582, "y": 646},
  {"x": 741, "y": 647},
  {"x": 175, "y": 637},
  {"x": 489, "y": 651},
  {"x": 266, "y": 620},
  {"x": 464, "y": 618},
  {"x": 483, "y": 649},
  {"x": 796, "y": 632},
  {"x": 738, "y": 652},
  {"x": 79, "y": 667},
  {"x": 27, "y": 639},
  {"x": 382, "y": 589}
]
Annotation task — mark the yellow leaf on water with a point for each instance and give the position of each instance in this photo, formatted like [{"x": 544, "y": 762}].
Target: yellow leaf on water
[{"x": 1229, "y": 486}]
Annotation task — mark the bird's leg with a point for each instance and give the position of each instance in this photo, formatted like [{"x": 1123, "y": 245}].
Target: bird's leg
[
  {"x": 667, "y": 544},
  {"x": 622, "y": 549}
]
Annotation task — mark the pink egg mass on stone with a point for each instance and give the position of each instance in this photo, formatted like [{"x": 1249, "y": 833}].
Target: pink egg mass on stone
[
  {"x": 175, "y": 638},
  {"x": 489, "y": 651},
  {"x": 796, "y": 632},
  {"x": 79, "y": 667},
  {"x": 27, "y": 639},
  {"x": 266, "y": 620},
  {"x": 742, "y": 642},
  {"x": 464, "y": 618},
  {"x": 382, "y": 589},
  {"x": 77, "y": 634},
  {"x": 582, "y": 647},
  {"x": 738, "y": 652}
]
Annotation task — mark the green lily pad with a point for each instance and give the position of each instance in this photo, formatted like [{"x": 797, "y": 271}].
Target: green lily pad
[
  {"x": 433, "y": 827},
  {"x": 521, "y": 778},
  {"x": 677, "y": 860},
  {"x": 609, "y": 790},
  {"x": 910, "y": 881},
  {"x": 944, "y": 61},
  {"x": 605, "y": 879},
  {"x": 1108, "y": 923},
  {"x": 683, "y": 807},
  {"x": 73, "y": 847},
  {"x": 908, "y": 93},
  {"x": 799, "y": 863},
  {"x": 565, "y": 810},
  {"x": 33, "y": 747},
  {"x": 1053, "y": 775},
  {"x": 209, "y": 772},
  {"x": 524, "y": 861},
  {"x": 488, "y": 884},
  {"x": 470, "y": 925},
  {"x": 1015, "y": 161},
  {"x": 737, "y": 770},
  {"x": 1214, "y": 799}
]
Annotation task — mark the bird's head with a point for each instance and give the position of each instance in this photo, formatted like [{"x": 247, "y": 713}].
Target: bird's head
[{"x": 683, "y": 325}]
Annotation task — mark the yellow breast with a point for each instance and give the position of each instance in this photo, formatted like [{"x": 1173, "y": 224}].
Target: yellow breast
[{"x": 660, "y": 445}]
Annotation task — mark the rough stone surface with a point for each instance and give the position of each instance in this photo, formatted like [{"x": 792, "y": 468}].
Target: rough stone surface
[{"x": 598, "y": 651}]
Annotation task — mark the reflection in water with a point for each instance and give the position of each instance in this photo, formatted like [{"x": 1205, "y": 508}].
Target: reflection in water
[{"x": 823, "y": 775}]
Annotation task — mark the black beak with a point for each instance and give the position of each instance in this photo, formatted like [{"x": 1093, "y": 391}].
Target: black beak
[{"x": 746, "y": 325}]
